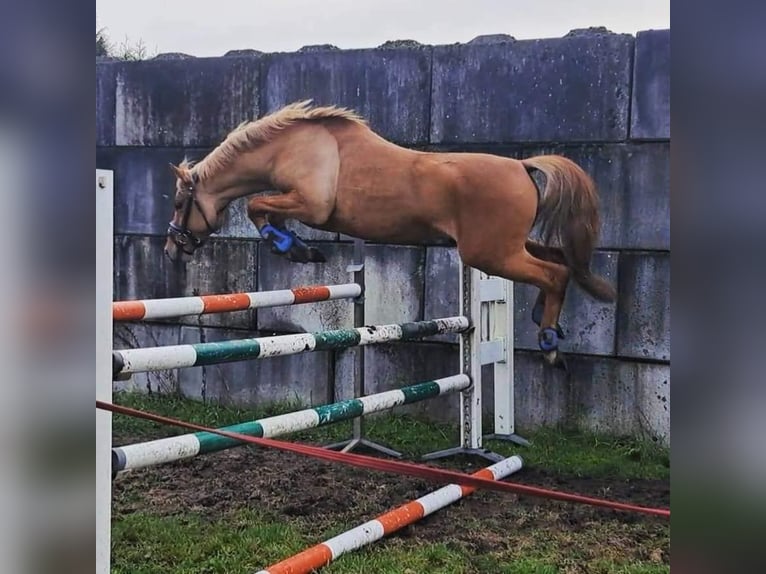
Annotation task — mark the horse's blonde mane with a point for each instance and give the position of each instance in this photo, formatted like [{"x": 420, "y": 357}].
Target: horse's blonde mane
[{"x": 249, "y": 134}]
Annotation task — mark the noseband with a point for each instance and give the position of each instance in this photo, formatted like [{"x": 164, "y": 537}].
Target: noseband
[{"x": 181, "y": 235}]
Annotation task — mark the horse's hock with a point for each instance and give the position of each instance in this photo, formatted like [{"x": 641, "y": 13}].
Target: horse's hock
[{"x": 598, "y": 99}]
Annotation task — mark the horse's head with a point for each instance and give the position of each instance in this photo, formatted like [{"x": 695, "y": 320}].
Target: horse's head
[{"x": 195, "y": 216}]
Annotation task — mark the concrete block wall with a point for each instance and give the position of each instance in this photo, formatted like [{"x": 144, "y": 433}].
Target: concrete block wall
[{"x": 599, "y": 98}]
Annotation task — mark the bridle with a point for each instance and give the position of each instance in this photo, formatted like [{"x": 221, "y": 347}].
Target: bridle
[{"x": 181, "y": 234}]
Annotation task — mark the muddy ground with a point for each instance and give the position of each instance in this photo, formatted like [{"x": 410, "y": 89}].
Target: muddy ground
[{"x": 322, "y": 496}]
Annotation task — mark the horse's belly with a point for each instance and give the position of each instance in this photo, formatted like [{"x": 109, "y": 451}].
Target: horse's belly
[{"x": 385, "y": 227}]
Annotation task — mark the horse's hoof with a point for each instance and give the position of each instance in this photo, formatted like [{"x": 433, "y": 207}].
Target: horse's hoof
[
  {"x": 551, "y": 357},
  {"x": 557, "y": 359}
]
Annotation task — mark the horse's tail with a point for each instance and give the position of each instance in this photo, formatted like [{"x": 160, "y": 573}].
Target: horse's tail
[{"x": 569, "y": 217}]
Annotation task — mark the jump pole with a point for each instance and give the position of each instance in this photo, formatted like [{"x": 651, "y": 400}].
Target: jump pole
[
  {"x": 388, "y": 523},
  {"x": 175, "y": 448},
  {"x": 147, "y": 309},
  {"x": 148, "y": 359},
  {"x": 104, "y": 263}
]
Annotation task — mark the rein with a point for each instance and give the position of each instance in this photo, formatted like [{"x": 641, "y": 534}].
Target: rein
[{"x": 181, "y": 234}]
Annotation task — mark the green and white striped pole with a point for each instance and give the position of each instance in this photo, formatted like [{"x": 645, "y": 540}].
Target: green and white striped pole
[
  {"x": 170, "y": 449},
  {"x": 128, "y": 361}
]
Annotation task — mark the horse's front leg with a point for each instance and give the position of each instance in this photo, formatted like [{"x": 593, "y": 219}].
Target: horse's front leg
[{"x": 269, "y": 219}]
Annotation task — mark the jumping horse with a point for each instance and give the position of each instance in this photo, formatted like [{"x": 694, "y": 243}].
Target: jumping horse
[{"x": 333, "y": 173}]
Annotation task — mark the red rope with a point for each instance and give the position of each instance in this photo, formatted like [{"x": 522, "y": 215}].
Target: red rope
[{"x": 396, "y": 467}]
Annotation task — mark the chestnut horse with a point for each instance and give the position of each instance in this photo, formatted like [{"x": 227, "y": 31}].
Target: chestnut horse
[{"x": 333, "y": 173}]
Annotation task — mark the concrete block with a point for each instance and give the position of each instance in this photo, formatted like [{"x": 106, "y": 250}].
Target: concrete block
[
  {"x": 540, "y": 393},
  {"x": 223, "y": 266},
  {"x": 643, "y": 320},
  {"x": 395, "y": 284},
  {"x": 185, "y": 102},
  {"x": 602, "y": 395},
  {"x": 299, "y": 378},
  {"x": 396, "y": 365},
  {"x": 390, "y": 88},
  {"x": 144, "y": 186},
  {"x": 143, "y": 272},
  {"x": 633, "y": 182},
  {"x": 105, "y": 104},
  {"x": 136, "y": 335},
  {"x": 276, "y": 272},
  {"x": 575, "y": 88},
  {"x": 236, "y": 223},
  {"x": 442, "y": 297},
  {"x": 589, "y": 325},
  {"x": 652, "y": 399},
  {"x": 650, "y": 114}
]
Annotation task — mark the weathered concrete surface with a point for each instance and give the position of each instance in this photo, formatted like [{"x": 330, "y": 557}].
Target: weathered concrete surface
[
  {"x": 589, "y": 325},
  {"x": 143, "y": 272},
  {"x": 144, "y": 186},
  {"x": 650, "y": 114},
  {"x": 223, "y": 266},
  {"x": 390, "y": 88},
  {"x": 236, "y": 223},
  {"x": 633, "y": 182},
  {"x": 602, "y": 395},
  {"x": 185, "y": 102},
  {"x": 276, "y": 272},
  {"x": 391, "y": 366},
  {"x": 643, "y": 323},
  {"x": 395, "y": 284},
  {"x": 303, "y": 378},
  {"x": 505, "y": 110},
  {"x": 105, "y": 104},
  {"x": 442, "y": 287},
  {"x": 652, "y": 384},
  {"x": 135, "y": 335},
  {"x": 561, "y": 89}
]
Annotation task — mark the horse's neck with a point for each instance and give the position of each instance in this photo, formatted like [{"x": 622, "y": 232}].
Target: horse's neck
[{"x": 246, "y": 175}]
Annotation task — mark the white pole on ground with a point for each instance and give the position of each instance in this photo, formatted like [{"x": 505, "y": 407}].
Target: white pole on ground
[{"x": 104, "y": 253}]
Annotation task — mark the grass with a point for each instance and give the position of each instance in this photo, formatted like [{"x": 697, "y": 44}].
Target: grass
[{"x": 147, "y": 541}]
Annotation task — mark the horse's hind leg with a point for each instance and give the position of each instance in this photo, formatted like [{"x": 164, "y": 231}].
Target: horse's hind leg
[
  {"x": 547, "y": 253},
  {"x": 552, "y": 279}
]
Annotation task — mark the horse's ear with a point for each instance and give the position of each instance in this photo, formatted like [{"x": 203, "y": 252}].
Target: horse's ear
[{"x": 177, "y": 171}]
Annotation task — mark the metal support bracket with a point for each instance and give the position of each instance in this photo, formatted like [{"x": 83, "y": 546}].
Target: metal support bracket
[{"x": 357, "y": 439}]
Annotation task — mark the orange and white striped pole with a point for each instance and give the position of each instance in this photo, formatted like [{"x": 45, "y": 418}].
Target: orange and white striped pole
[
  {"x": 396, "y": 519},
  {"x": 145, "y": 309}
]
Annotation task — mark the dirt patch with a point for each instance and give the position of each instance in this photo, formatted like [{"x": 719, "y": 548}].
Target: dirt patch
[{"x": 323, "y": 496}]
